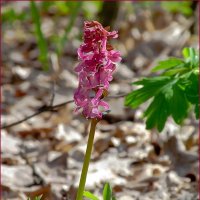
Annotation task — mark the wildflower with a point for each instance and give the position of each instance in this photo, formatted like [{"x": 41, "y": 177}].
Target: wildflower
[{"x": 97, "y": 63}]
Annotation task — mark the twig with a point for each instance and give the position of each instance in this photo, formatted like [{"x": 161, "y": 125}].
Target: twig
[
  {"x": 50, "y": 108},
  {"x": 41, "y": 110}
]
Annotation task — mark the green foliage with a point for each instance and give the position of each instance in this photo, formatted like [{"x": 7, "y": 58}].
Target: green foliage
[
  {"x": 90, "y": 196},
  {"x": 75, "y": 8},
  {"x": 172, "y": 93},
  {"x": 166, "y": 64},
  {"x": 176, "y": 7},
  {"x": 40, "y": 37},
  {"x": 171, "y": 6},
  {"x": 63, "y": 7},
  {"x": 11, "y": 15},
  {"x": 72, "y": 9},
  {"x": 36, "y": 198},
  {"x": 107, "y": 194},
  {"x": 91, "y": 8}
]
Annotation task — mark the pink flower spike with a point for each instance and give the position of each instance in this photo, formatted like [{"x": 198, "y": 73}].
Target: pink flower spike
[
  {"x": 114, "y": 56},
  {"x": 104, "y": 105},
  {"x": 97, "y": 63},
  {"x": 79, "y": 67}
]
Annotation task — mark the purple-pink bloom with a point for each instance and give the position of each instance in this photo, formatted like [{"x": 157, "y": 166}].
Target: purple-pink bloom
[{"x": 97, "y": 63}]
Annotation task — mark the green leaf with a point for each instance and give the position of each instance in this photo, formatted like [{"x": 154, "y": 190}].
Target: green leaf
[
  {"x": 192, "y": 92},
  {"x": 178, "y": 105},
  {"x": 157, "y": 112},
  {"x": 175, "y": 71},
  {"x": 170, "y": 94},
  {"x": 170, "y": 101},
  {"x": 191, "y": 57},
  {"x": 90, "y": 195},
  {"x": 151, "y": 86},
  {"x": 197, "y": 110},
  {"x": 107, "y": 192},
  {"x": 166, "y": 64},
  {"x": 40, "y": 37},
  {"x": 36, "y": 198},
  {"x": 192, "y": 89},
  {"x": 39, "y": 197},
  {"x": 188, "y": 52}
]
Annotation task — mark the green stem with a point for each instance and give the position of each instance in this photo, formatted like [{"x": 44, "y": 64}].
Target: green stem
[{"x": 86, "y": 160}]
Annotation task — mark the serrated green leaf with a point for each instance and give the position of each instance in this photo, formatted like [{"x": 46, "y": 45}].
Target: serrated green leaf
[
  {"x": 197, "y": 110},
  {"x": 175, "y": 71},
  {"x": 151, "y": 80},
  {"x": 107, "y": 192},
  {"x": 178, "y": 105},
  {"x": 90, "y": 195},
  {"x": 171, "y": 93},
  {"x": 166, "y": 64},
  {"x": 192, "y": 92},
  {"x": 151, "y": 86},
  {"x": 192, "y": 89},
  {"x": 157, "y": 112}
]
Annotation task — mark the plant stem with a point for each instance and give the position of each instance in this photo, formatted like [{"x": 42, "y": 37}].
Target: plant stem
[{"x": 86, "y": 160}]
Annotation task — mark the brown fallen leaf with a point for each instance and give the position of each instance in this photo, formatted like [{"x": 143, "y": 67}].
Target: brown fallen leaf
[
  {"x": 101, "y": 145},
  {"x": 44, "y": 190}
]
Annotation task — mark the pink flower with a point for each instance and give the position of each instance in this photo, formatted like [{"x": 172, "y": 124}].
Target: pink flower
[
  {"x": 91, "y": 110},
  {"x": 97, "y": 63}
]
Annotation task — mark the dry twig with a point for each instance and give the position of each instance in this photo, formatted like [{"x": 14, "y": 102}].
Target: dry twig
[{"x": 49, "y": 108}]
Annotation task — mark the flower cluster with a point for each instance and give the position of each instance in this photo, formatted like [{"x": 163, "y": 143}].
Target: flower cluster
[{"x": 97, "y": 63}]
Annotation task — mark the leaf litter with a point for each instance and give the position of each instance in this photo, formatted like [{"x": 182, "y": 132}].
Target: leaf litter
[{"x": 44, "y": 155}]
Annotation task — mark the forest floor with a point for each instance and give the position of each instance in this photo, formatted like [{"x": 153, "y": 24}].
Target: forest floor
[{"x": 44, "y": 155}]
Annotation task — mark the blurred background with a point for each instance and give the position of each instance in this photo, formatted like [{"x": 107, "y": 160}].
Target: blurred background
[{"x": 44, "y": 155}]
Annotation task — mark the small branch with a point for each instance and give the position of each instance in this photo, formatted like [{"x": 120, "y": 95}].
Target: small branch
[
  {"x": 41, "y": 110},
  {"x": 117, "y": 96},
  {"x": 50, "y": 108}
]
